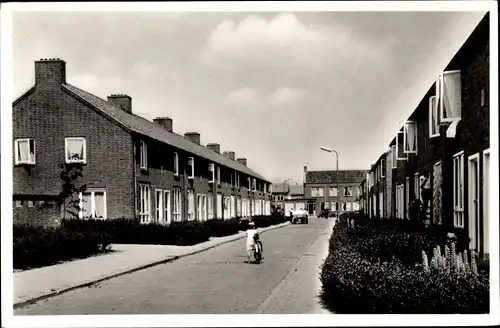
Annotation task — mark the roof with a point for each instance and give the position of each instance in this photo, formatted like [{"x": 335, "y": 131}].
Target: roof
[
  {"x": 297, "y": 189},
  {"x": 279, "y": 188},
  {"x": 147, "y": 128},
  {"x": 345, "y": 176}
]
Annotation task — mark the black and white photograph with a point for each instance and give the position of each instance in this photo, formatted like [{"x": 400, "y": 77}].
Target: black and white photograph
[{"x": 326, "y": 162}]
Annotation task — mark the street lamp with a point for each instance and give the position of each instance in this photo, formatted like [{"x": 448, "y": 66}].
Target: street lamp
[{"x": 338, "y": 190}]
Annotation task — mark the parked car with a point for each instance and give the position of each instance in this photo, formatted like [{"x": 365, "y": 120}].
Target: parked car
[{"x": 300, "y": 215}]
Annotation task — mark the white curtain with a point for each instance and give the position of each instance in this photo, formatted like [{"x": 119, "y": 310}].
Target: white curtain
[
  {"x": 410, "y": 136},
  {"x": 23, "y": 149},
  {"x": 75, "y": 149},
  {"x": 99, "y": 205},
  {"x": 210, "y": 206},
  {"x": 86, "y": 205},
  {"x": 452, "y": 94}
]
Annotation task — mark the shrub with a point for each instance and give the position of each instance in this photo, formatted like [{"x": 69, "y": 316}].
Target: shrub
[
  {"x": 354, "y": 281},
  {"x": 39, "y": 246}
]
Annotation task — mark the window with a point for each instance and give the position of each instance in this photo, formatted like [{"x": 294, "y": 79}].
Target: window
[
  {"x": 382, "y": 168},
  {"x": 93, "y": 204},
  {"x": 394, "y": 157},
  {"x": 232, "y": 181},
  {"x": 211, "y": 168},
  {"x": 166, "y": 202},
  {"x": 249, "y": 184},
  {"x": 159, "y": 205},
  {"x": 218, "y": 175},
  {"x": 75, "y": 150},
  {"x": 233, "y": 207},
  {"x": 190, "y": 165},
  {"x": 450, "y": 96},
  {"x": 177, "y": 205},
  {"x": 458, "y": 190},
  {"x": 176, "y": 164},
  {"x": 238, "y": 207},
  {"x": 145, "y": 206},
  {"x": 434, "y": 117},
  {"x": 332, "y": 192},
  {"x": 416, "y": 186},
  {"x": 143, "y": 151},
  {"x": 348, "y": 191},
  {"x": 219, "y": 206},
  {"x": 410, "y": 137},
  {"x": 254, "y": 184},
  {"x": 31, "y": 203},
  {"x": 25, "y": 151},
  {"x": 483, "y": 98},
  {"x": 227, "y": 208},
  {"x": 265, "y": 188},
  {"x": 202, "y": 208},
  {"x": 400, "y": 154},
  {"x": 316, "y": 192},
  {"x": 238, "y": 180},
  {"x": 190, "y": 211},
  {"x": 19, "y": 203},
  {"x": 407, "y": 197},
  {"x": 400, "y": 201},
  {"x": 210, "y": 210}
]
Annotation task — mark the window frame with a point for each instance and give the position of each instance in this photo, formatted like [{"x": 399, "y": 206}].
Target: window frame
[
  {"x": 75, "y": 161},
  {"x": 167, "y": 212},
  {"x": 191, "y": 205},
  {"x": 394, "y": 155},
  {"x": 190, "y": 164},
  {"x": 211, "y": 168},
  {"x": 176, "y": 164},
  {"x": 145, "y": 211},
  {"x": 218, "y": 176},
  {"x": 382, "y": 167},
  {"x": 92, "y": 192},
  {"x": 458, "y": 199},
  {"x": 441, "y": 98},
  {"x": 397, "y": 148},
  {"x": 434, "y": 112},
  {"x": 406, "y": 150},
  {"x": 177, "y": 210},
  {"x": 16, "y": 151},
  {"x": 143, "y": 155},
  {"x": 346, "y": 188}
]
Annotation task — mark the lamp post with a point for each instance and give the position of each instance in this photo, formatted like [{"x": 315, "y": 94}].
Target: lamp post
[{"x": 338, "y": 190}]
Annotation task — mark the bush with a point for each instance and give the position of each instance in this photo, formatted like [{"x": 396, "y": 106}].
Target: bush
[
  {"x": 38, "y": 246},
  {"x": 357, "y": 281}
]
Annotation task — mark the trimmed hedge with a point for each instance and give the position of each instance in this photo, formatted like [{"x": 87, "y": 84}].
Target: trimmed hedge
[
  {"x": 372, "y": 270},
  {"x": 38, "y": 246}
]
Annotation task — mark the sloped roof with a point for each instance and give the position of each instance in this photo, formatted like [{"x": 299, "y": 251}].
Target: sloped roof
[
  {"x": 296, "y": 189},
  {"x": 345, "y": 176},
  {"x": 279, "y": 188},
  {"x": 142, "y": 126}
]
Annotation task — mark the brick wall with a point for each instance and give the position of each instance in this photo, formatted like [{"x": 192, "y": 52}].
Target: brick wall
[{"x": 48, "y": 114}]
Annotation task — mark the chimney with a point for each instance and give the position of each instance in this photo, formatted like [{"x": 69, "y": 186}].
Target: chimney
[
  {"x": 230, "y": 154},
  {"x": 242, "y": 161},
  {"x": 122, "y": 101},
  {"x": 305, "y": 173},
  {"x": 215, "y": 147},
  {"x": 165, "y": 122},
  {"x": 192, "y": 136},
  {"x": 50, "y": 70}
]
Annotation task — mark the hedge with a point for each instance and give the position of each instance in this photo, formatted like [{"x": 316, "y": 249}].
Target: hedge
[
  {"x": 39, "y": 246},
  {"x": 370, "y": 271}
]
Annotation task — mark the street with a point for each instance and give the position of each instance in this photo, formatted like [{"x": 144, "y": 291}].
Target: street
[{"x": 215, "y": 281}]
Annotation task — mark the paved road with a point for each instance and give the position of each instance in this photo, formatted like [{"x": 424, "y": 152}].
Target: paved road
[{"x": 216, "y": 281}]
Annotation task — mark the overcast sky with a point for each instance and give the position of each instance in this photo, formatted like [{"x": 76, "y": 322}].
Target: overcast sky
[{"x": 273, "y": 87}]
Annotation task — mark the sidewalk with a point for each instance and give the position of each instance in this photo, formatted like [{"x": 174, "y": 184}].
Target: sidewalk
[{"x": 36, "y": 284}]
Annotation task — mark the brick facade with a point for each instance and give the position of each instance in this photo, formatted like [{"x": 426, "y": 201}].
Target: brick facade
[{"x": 53, "y": 110}]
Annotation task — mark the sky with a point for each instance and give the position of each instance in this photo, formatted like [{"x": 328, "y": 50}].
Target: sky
[{"x": 271, "y": 86}]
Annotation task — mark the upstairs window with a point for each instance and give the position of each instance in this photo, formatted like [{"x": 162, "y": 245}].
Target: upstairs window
[
  {"x": 348, "y": 191},
  {"x": 176, "y": 164},
  {"x": 410, "y": 137},
  {"x": 400, "y": 154},
  {"x": 434, "y": 117},
  {"x": 218, "y": 175},
  {"x": 249, "y": 183},
  {"x": 450, "y": 96},
  {"x": 211, "y": 169},
  {"x": 394, "y": 157},
  {"x": 25, "y": 151},
  {"x": 382, "y": 168},
  {"x": 76, "y": 150},
  {"x": 190, "y": 165},
  {"x": 254, "y": 185},
  {"x": 143, "y": 148}
]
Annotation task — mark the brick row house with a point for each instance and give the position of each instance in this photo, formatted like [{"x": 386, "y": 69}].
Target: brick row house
[
  {"x": 133, "y": 168},
  {"x": 320, "y": 190},
  {"x": 446, "y": 138}
]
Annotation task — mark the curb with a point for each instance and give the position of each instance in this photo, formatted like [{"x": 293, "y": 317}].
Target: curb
[{"x": 142, "y": 267}]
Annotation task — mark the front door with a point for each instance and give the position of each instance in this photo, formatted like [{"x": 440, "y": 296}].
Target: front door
[
  {"x": 474, "y": 203},
  {"x": 167, "y": 216},
  {"x": 159, "y": 206},
  {"x": 486, "y": 203}
]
